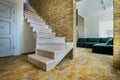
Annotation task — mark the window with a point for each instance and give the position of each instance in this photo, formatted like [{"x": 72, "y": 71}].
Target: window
[{"x": 106, "y": 28}]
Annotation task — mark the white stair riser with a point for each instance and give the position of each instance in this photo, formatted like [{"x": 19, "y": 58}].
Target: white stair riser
[
  {"x": 46, "y": 35},
  {"x": 37, "y": 63},
  {"x": 51, "y": 46},
  {"x": 30, "y": 13},
  {"x": 31, "y": 16},
  {"x": 45, "y": 54},
  {"x": 29, "y": 10},
  {"x": 35, "y": 22},
  {"x": 51, "y": 40},
  {"x": 37, "y": 29},
  {"x": 38, "y": 25},
  {"x": 33, "y": 19}
]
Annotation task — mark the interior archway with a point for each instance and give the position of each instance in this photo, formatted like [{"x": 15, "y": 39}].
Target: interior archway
[{"x": 116, "y": 49}]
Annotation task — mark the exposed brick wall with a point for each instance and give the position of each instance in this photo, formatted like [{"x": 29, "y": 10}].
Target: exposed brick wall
[
  {"x": 58, "y": 14},
  {"x": 117, "y": 33}
]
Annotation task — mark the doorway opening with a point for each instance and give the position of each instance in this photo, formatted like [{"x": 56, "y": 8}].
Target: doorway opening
[{"x": 94, "y": 23}]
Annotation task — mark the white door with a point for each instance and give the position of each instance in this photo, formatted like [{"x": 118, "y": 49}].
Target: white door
[{"x": 7, "y": 28}]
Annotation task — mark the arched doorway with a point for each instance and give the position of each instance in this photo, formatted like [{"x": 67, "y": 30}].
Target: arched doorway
[{"x": 116, "y": 48}]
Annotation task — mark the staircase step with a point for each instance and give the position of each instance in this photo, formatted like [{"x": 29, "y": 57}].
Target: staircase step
[
  {"x": 35, "y": 22},
  {"x": 28, "y": 16},
  {"x": 40, "y": 61},
  {"x": 48, "y": 53},
  {"x": 39, "y": 29},
  {"x": 26, "y": 12},
  {"x": 52, "y": 46},
  {"x": 51, "y": 40},
  {"x": 26, "y": 6},
  {"x": 45, "y": 35},
  {"x": 34, "y": 19},
  {"x": 38, "y": 25},
  {"x": 29, "y": 9}
]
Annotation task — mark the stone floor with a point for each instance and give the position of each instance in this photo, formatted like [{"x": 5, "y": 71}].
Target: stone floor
[{"x": 88, "y": 66}]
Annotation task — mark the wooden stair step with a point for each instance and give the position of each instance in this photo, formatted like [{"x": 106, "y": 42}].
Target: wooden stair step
[
  {"x": 42, "y": 35},
  {"x": 31, "y": 14},
  {"x": 51, "y": 45},
  {"x": 40, "y": 29},
  {"x": 35, "y": 21},
  {"x": 38, "y": 25},
  {"x": 27, "y": 10},
  {"x": 51, "y": 40},
  {"x": 29, "y": 17},
  {"x": 51, "y": 53},
  {"x": 40, "y": 61}
]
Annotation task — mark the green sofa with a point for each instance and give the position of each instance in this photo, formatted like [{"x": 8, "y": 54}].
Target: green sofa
[
  {"x": 105, "y": 48},
  {"x": 98, "y": 45},
  {"x": 89, "y": 42}
]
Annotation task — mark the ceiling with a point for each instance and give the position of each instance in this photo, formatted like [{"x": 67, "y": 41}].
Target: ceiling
[{"x": 90, "y": 7}]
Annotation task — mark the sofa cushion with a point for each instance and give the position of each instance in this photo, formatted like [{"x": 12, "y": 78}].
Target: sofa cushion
[
  {"x": 82, "y": 40},
  {"x": 80, "y": 44},
  {"x": 103, "y": 48},
  {"x": 89, "y": 44},
  {"x": 92, "y": 39},
  {"x": 104, "y": 40}
]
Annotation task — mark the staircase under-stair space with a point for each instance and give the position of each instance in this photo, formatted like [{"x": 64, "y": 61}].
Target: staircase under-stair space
[{"x": 50, "y": 50}]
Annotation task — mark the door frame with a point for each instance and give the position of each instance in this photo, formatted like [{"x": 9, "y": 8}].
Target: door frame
[{"x": 14, "y": 29}]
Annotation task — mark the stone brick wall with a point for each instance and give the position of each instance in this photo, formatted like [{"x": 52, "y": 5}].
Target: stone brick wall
[
  {"x": 58, "y": 14},
  {"x": 116, "y": 33}
]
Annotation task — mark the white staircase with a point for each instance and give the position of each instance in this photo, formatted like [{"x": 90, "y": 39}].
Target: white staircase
[{"x": 50, "y": 50}]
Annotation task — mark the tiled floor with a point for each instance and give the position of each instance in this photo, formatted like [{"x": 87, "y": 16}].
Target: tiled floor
[{"x": 88, "y": 66}]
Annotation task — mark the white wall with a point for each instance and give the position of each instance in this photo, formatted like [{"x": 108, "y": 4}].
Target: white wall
[
  {"x": 92, "y": 22},
  {"x": 24, "y": 40},
  {"x": 28, "y": 39}
]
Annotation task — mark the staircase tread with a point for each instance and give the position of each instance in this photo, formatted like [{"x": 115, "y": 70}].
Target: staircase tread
[
  {"x": 57, "y": 43},
  {"x": 52, "y": 37},
  {"x": 41, "y": 58},
  {"x": 37, "y": 23},
  {"x": 31, "y": 16},
  {"x": 44, "y": 32},
  {"x": 34, "y": 19},
  {"x": 52, "y": 50},
  {"x": 29, "y": 11},
  {"x": 47, "y": 33}
]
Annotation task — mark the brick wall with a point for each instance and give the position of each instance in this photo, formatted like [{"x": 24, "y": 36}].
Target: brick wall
[
  {"x": 58, "y": 14},
  {"x": 116, "y": 59}
]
